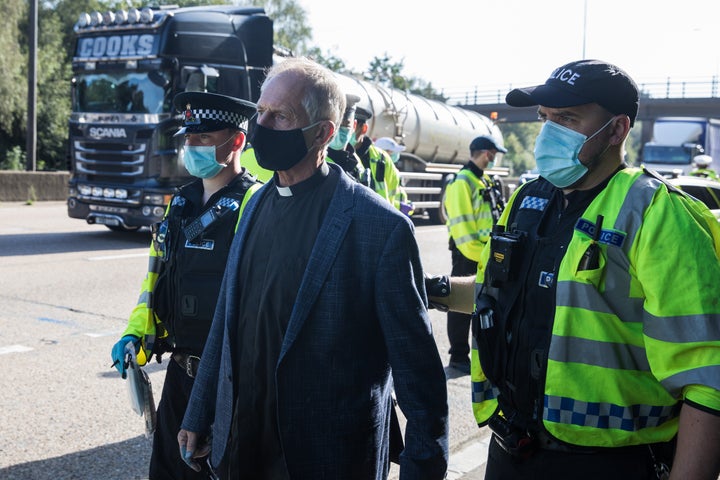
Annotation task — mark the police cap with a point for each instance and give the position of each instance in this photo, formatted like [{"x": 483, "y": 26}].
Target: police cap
[
  {"x": 582, "y": 82},
  {"x": 209, "y": 112},
  {"x": 362, "y": 114},
  {"x": 486, "y": 142}
]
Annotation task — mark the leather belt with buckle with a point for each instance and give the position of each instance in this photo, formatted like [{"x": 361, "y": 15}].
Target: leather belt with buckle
[{"x": 189, "y": 362}]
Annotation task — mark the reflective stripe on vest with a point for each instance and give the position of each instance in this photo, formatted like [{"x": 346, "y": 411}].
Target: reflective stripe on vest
[
  {"x": 585, "y": 344},
  {"x": 469, "y": 219}
]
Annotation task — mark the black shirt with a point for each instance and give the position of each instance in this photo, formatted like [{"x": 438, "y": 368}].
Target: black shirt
[{"x": 271, "y": 269}]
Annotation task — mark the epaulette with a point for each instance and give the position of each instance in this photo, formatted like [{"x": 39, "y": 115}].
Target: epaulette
[{"x": 662, "y": 179}]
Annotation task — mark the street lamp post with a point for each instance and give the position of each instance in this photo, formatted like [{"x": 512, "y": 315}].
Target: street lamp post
[
  {"x": 584, "y": 28},
  {"x": 31, "y": 142}
]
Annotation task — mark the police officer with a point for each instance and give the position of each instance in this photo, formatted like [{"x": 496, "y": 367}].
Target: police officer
[
  {"x": 597, "y": 322},
  {"x": 340, "y": 151},
  {"x": 393, "y": 149},
  {"x": 381, "y": 173},
  {"x": 472, "y": 205},
  {"x": 702, "y": 168},
  {"x": 187, "y": 261}
]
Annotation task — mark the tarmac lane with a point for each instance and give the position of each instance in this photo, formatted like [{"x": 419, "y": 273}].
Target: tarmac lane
[{"x": 66, "y": 289}]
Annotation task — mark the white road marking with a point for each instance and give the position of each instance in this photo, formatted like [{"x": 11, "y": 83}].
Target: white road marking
[
  {"x": 14, "y": 349},
  {"x": 117, "y": 257},
  {"x": 102, "y": 334},
  {"x": 419, "y": 231}
]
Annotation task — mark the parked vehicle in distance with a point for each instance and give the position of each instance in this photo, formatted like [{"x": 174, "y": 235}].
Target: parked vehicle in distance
[
  {"x": 528, "y": 175},
  {"x": 677, "y": 140}
]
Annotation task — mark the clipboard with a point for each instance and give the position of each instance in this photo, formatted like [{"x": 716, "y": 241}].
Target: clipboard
[{"x": 140, "y": 390}]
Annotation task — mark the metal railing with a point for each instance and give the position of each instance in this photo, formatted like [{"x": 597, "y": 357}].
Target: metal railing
[{"x": 700, "y": 87}]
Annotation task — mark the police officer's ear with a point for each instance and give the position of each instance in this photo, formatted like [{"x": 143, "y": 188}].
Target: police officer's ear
[
  {"x": 239, "y": 142},
  {"x": 619, "y": 129}
]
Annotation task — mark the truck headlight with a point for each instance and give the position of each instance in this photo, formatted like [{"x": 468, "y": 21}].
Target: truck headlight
[{"x": 153, "y": 199}]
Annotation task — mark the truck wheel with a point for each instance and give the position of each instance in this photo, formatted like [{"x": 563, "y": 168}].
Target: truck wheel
[{"x": 120, "y": 228}]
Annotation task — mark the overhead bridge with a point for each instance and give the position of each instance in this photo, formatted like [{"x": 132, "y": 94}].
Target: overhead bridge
[{"x": 664, "y": 98}]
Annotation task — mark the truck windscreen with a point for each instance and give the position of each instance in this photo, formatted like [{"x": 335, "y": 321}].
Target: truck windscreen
[
  {"x": 121, "y": 92},
  {"x": 668, "y": 155}
]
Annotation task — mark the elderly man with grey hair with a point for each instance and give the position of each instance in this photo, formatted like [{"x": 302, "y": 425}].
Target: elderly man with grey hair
[{"x": 322, "y": 312}]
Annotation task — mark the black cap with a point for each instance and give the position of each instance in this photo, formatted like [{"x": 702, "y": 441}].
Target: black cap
[
  {"x": 486, "y": 142},
  {"x": 580, "y": 83},
  {"x": 362, "y": 114},
  {"x": 209, "y": 112}
]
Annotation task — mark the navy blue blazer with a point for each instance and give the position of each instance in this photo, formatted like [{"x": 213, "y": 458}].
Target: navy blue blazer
[{"x": 359, "y": 325}]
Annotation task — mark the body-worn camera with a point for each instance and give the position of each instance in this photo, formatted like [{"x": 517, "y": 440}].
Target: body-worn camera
[{"x": 504, "y": 251}]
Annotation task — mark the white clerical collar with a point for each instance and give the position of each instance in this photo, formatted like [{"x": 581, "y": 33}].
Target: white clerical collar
[{"x": 306, "y": 185}]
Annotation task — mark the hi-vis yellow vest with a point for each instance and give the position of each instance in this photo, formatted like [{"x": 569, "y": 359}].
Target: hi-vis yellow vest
[
  {"x": 637, "y": 335},
  {"x": 469, "y": 216}
]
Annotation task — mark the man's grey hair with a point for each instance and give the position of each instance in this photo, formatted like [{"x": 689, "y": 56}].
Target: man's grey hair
[{"x": 323, "y": 98}]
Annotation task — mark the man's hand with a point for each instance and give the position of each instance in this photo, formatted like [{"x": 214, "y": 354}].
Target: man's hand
[
  {"x": 118, "y": 352},
  {"x": 192, "y": 447}
]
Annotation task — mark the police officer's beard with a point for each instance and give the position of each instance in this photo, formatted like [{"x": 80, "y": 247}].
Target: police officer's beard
[{"x": 591, "y": 167}]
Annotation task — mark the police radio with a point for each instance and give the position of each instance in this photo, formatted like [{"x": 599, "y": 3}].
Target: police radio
[{"x": 209, "y": 217}]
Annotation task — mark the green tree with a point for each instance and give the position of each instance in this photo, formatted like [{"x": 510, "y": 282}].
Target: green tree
[
  {"x": 389, "y": 72},
  {"x": 328, "y": 59},
  {"x": 67, "y": 12},
  {"x": 633, "y": 145},
  {"x": 53, "y": 106},
  {"x": 289, "y": 18},
  {"x": 519, "y": 139},
  {"x": 13, "y": 82}
]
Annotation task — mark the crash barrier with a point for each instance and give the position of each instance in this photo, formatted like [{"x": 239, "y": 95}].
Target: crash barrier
[
  {"x": 33, "y": 186},
  {"x": 47, "y": 186}
]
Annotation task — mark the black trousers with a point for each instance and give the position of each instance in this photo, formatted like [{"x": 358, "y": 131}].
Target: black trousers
[
  {"x": 630, "y": 463},
  {"x": 458, "y": 324},
  {"x": 165, "y": 462}
]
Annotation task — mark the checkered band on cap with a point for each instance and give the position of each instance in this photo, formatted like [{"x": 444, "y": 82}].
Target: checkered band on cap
[{"x": 216, "y": 115}]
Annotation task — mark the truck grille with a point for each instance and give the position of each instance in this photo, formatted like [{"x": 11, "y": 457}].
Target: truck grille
[{"x": 110, "y": 159}]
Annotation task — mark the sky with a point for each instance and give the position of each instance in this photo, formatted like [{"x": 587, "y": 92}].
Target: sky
[{"x": 460, "y": 44}]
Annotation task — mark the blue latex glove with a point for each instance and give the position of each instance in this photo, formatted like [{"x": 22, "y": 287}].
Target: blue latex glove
[
  {"x": 407, "y": 208},
  {"x": 118, "y": 353}
]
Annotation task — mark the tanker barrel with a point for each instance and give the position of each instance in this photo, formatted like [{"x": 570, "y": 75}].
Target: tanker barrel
[{"x": 430, "y": 129}]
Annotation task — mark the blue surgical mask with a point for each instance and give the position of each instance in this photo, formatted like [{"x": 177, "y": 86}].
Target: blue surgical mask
[
  {"x": 341, "y": 139},
  {"x": 395, "y": 156},
  {"x": 200, "y": 160},
  {"x": 556, "y": 153}
]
